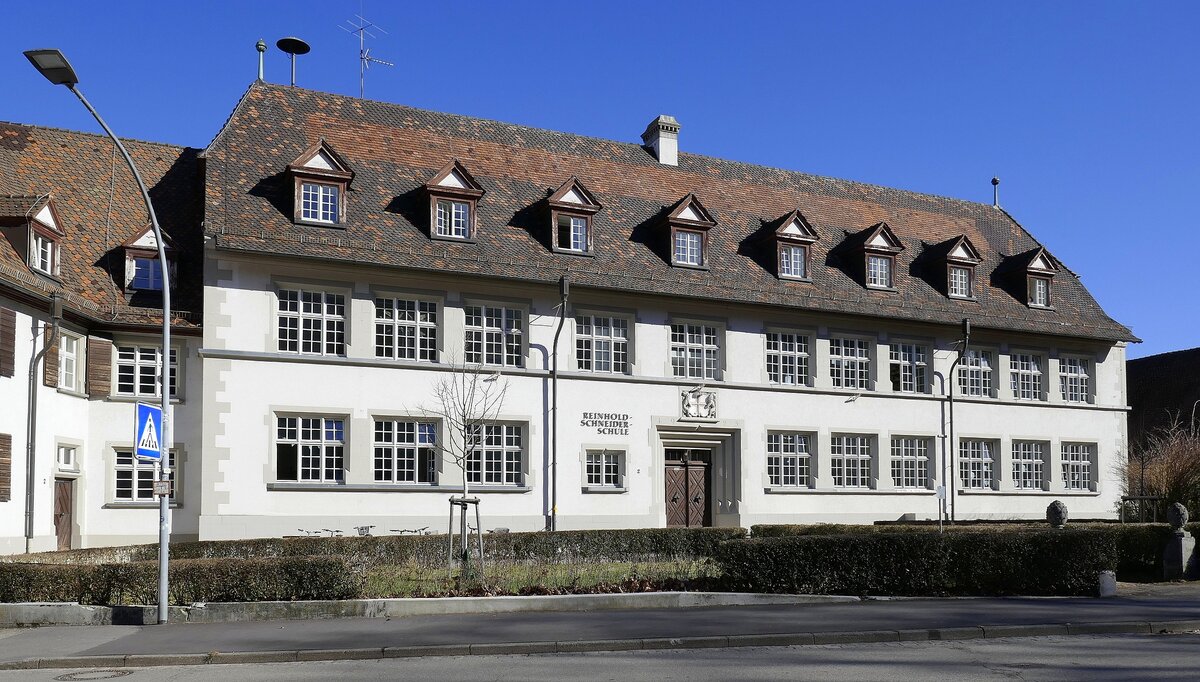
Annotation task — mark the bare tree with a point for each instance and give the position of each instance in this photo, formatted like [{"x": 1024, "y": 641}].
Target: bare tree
[{"x": 1167, "y": 465}]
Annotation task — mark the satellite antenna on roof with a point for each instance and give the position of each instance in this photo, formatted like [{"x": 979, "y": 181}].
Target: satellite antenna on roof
[
  {"x": 293, "y": 46},
  {"x": 362, "y": 28}
]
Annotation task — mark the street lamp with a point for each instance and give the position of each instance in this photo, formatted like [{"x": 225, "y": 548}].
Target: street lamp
[{"x": 55, "y": 67}]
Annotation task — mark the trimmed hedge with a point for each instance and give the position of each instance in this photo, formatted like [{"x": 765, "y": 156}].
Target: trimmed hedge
[
  {"x": 191, "y": 580},
  {"x": 1049, "y": 562}
]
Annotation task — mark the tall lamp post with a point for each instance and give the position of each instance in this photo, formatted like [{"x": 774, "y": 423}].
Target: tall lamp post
[
  {"x": 963, "y": 348},
  {"x": 55, "y": 67}
]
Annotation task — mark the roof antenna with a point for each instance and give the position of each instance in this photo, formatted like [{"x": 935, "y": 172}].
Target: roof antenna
[
  {"x": 363, "y": 28},
  {"x": 996, "y": 192},
  {"x": 293, "y": 46},
  {"x": 262, "y": 49}
]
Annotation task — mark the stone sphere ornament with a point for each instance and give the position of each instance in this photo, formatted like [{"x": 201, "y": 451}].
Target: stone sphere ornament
[
  {"x": 1056, "y": 514},
  {"x": 1177, "y": 516}
]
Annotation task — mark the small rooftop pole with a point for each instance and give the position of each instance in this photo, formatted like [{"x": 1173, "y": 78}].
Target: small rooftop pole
[
  {"x": 293, "y": 46},
  {"x": 262, "y": 49},
  {"x": 996, "y": 192}
]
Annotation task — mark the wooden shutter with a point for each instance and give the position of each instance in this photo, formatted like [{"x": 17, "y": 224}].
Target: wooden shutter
[
  {"x": 99, "y": 367},
  {"x": 5, "y": 467},
  {"x": 50, "y": 361},
  {"x": 8, "y": 342}
]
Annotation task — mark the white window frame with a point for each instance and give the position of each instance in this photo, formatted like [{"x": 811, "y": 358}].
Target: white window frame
[
  {"x": 963, "y": 287},
  {"x": 143, "y": 360},
  {"x": 977, "y": 373},
  {"x": 72, "y": 364},
  {"x": 705, "y": 344},
  {"x": 910, "y": 462},
  {"x": 147, "y": 270},
  {"x": 405, "y": 451},
  {"x": 793, "y": 261},
  {"x": 320, "y": 202},
  {"x": 789, "y": 356},
  {"x": 880, "y": 271},
  {"x": 141, "y": 476},
  {"x": 43, "y": 254},
  {"x": 591, "y": 346},
  {"x": 1075, "y": 379},
  {"x": 977, "y": 463},
  {"x": 492, "y": 458},
  {"x": 452, "y": 219},
  {"x": 485, "y": 343},
  {"x": 1079, "y": 466},
  {"x": 1029, "y": 464},
  {"x": 851, "y": 370},
  {"x": 301, "y": 312},
  {"x": 852, "y": 459},
  {"x": 908, "y": 367},
  {"x": 69, "y": 464},
  {"x": 578, "y": 231},
  {"x": 407, "y": 328},
  {"x": 1039, "y": 291},
  {"x": 1027, "y": 376},
  {"x": 687, "y": 247},
  {"x": 789, "y": 459},
  {"x": 326, "y": 450},
  {"x": 604, "y": 469}
]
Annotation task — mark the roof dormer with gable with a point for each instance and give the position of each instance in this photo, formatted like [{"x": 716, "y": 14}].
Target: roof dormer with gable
[
  {"x": 790, "y": 243},
  {"x": 453, "y": 195},
  {"x": 1039, "y": 270},
  {"x": 686, "y": 227},
  {"x": 875, "y": 250},
  {"x": 32, "y": 226},
  {"x": 321, "y": 179},
  {"x": 143, "y": 270},
  {"x": 572, "y": 208},
  {"x": 956, "y": 261}
]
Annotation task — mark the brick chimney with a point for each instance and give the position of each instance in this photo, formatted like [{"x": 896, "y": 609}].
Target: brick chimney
[{"x": 662, "y": 137}]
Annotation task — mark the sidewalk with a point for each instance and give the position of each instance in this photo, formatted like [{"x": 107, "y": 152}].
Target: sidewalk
[{"x": 874, "y": 620}]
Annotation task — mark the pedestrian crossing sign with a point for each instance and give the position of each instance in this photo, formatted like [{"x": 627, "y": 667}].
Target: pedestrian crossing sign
[{"x": 148, "y": 432}]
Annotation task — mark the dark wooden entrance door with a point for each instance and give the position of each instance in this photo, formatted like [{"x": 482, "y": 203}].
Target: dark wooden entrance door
[
  {"x": 64, "y": 489},
  {"x": 688, "y": 484}
]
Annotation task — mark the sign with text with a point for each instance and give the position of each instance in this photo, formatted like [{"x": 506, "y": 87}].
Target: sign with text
[
  {"x": 147, "y": 438},
  {"x": 606, "y": 423}
]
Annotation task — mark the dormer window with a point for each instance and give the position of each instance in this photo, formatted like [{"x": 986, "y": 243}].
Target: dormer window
[
  {"x": 1039, "y": 278},
  {"x": 687, "y": 225},
  {"x": 147, "y": 274},
  {"x": 143, "y": 270},
  {"x": 959, "y": 256},
  {"x": 43, "y": 254},
  {"x": 321, "y": 180},
  {"x": 960, "y": 281},
  {"x": 1039, "y": 291},
  {"x": 572, "y": 207},
  {"x": 31, "y": 225},
  {"x": 879, "y": 246},
  {"x": 792, "y": 241},
  {"x": 453, "y": 193}
]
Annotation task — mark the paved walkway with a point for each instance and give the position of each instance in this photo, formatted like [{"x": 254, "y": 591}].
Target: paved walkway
[{"x": 642, "y": 624}]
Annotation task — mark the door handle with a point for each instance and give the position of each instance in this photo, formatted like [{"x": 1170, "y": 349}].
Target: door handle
[
  {"x": 675, "y": 498},
  {"x": 696, "y": 498}
]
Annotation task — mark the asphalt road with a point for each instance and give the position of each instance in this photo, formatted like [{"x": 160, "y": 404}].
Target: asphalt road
[{"x": 1092, "y": 658}]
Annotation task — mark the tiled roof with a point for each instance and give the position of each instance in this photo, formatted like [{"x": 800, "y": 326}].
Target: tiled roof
[
  {"x": 98, "y": 207},
  {"x": 1162, "y": 389},
  {"x": 394, "y": 150}
]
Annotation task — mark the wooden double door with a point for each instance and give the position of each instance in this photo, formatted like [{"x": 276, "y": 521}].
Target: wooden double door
[{"x": 689, "y": 482}]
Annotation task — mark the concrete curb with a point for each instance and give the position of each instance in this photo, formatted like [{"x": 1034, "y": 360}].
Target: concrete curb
[
  {"x": 39, "y": 614},
  {"x": 514, "y": 648}
]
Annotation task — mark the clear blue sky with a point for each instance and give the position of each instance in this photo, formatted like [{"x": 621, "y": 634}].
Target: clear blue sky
[{"x": 1086, "y": 111}]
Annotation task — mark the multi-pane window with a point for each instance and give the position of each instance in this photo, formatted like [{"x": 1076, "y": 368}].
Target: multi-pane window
[
  {"x": 67, "y": 458},
  {"x": 310, "y": 449},
  {"x": 495, "y": 455},
  {"x": 793, "y": 261},
  {"x": 879, "y": 271},
  {"x": 1039, "y": 291},
  {"x": 603, "y": 468},
  {"x": 1073, "y": 380},
  {"x": 908, "y": 363},
  {"x": 147, "y": 274},
  {"x": 406, "y": 329},
  {"x": 695, "y": 351},
  {"x": 405, "y": 451},
  {"x": 850, "y": 363},
  {"x": 1025, "y": 372},
  {"x": 602, "y": 344},
  {"x": 312, "y": 322},
  {"x": 137, "y": 371},
  {"x": 134, "y": 478},
  {"x": 960, "y": 281},
  {"x": 975, "y": 373},
  {"x": 910, "y": 462},
  {"x": 453, "y": 219},
  {"x": 493, "y": 336},
  {"x": 573, "y": 233},
  {"x": 69, "y": 347},
  {"x": 688, "y": 248},
  {"x": 41, "y": 256},
  {"x": 975, "y": 459},
  {"x": 787, "y": 358},
  {"x": 850, "y": 461},
  {"x": 319, "y": 203},
  {"x": 788, "y": 459},
  {"x": 1077, "y": 466},
  {"x": 1028, "y": 459}
]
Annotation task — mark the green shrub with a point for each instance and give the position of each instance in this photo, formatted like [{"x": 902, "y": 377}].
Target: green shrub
[
  {"x": 1044, "y": 562},
  {"x": 191, "y": 580}
]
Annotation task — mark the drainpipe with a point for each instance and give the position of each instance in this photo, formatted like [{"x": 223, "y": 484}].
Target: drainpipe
[
  {"x": 31, "y": 417},
  {"x": 962, "y": 350},
  {"x": 564, "y": 287}
]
